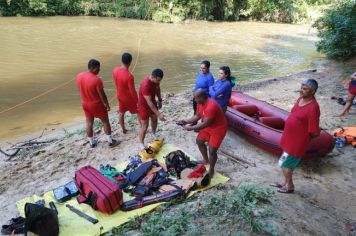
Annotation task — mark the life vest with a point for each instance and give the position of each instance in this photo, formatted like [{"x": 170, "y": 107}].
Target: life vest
[{"x": 347, "y": 133}]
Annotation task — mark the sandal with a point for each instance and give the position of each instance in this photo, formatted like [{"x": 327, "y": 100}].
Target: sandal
[
  {"x": 285, "y": 190},
  {"x": 276, "y": 185}
]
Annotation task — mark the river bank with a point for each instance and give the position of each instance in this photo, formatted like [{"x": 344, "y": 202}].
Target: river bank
[{"x": 321, "y": 205}]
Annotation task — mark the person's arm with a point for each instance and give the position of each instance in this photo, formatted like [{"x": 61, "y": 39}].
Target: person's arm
[
  {"x": 313, "y": 123},
  {"x": 159, "y": 97},
  {"x": 191, "y": 120},
  {"x": 219, "y": 93},
  {"x": 153, "y": 108},
  {"x": 132, "y": 89},
  {"x": 206, "y": 123},
  {"x": 103, "y": 98}
]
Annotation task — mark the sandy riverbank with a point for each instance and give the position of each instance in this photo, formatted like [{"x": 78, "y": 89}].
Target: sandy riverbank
[{"x": 325, "y": 189}]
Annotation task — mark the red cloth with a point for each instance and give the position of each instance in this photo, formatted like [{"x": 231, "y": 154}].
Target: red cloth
[
  {"x": 147, "y": 88},
  {"x": 215, "y": 133},
  {"x": 89, "y": 85},
  {"x": 352, "y": 89},
  {"x": 301, "y": 123},
  {"x": 125, "y": 89},
  {"x": 198, "y": 172}
]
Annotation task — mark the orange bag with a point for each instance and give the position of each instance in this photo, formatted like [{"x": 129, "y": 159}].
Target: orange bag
[{"x": 347, "y": 133}]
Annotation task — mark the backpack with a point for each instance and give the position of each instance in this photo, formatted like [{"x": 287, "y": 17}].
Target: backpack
[
  {"x": 41, "y": 220},
  {"x": 135, "y": 176},
  {"x": 97, "y": 190},
  {"x": 155, "y": 178},
  {"x": 177, "y": 161}
]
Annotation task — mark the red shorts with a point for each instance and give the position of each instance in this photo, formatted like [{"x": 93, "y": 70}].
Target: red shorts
[
  {"x": 124, "y": 107},
  {"x": 144, "y": 114},
  {"x": 95, "y": 110},
  {"x": 352, "y": 89},
  {"x": 214, "y": 137}
]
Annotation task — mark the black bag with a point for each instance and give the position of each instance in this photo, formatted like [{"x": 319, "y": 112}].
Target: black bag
[
  {"x": 140, "y": 172},
  {"x": 41, "y": 220},
  {"x": 177, "y": 161}
]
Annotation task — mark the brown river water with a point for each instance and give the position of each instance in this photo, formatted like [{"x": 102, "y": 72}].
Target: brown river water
[{"x": 38, "y": 54}]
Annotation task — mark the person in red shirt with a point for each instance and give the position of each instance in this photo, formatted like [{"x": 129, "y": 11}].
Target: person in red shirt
[
  {"x": 94, "y": 102},
  {"x": 213, "y": 127},
  {"x": 148, "y": 107},
  {"x": 125, "y": 89},
  {"x": 301, "y": 126}
]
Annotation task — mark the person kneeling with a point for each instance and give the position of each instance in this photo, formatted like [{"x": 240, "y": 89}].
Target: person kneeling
[{"x": 212, "y": 129}]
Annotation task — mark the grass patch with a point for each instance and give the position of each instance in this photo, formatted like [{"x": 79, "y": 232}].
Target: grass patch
[
  {"x": 69, "y": 134},
  {"x": 241, "y": 211}
]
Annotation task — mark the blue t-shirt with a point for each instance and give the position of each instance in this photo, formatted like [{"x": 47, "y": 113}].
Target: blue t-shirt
[
  {"x": 204, "y": 81},
  {"x": 221, "y": 87}
]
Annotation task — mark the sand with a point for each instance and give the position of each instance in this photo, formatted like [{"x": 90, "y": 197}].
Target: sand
[{"x": 325, "y": 197}]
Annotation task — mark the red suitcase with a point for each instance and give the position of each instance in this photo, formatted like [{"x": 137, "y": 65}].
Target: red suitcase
[{"x": 97, "y": 190}]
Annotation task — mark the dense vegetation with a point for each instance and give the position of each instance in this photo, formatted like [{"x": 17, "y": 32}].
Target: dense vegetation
[
  {"x": 244, "y": 210},
  {"x": 337, "y": 30},
  {"x": 267, "y": 10}
]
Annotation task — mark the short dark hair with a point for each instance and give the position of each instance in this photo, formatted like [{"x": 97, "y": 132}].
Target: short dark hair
[
  {"x": 126, "y": 58},
  {"x": 206, "y": 63},
  {"x": 93, "y": 63},
  {"x": 157, "y": 73},
  {"x": 312, "y": 83}
]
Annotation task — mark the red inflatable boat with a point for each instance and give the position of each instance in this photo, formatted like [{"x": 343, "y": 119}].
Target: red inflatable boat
[{"x": 262, "y": 124}]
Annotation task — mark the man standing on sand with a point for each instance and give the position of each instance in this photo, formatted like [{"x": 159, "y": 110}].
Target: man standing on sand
[
  {"x": 125, "y": 89},
  {"x": 148, "y": 107},
  {"x": 301, "y": 127},
  {"x": 94, "y": 102},
  {"x": 213, "y": 127}
]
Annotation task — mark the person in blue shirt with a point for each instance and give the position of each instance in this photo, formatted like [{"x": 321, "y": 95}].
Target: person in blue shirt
[
  {"x": 220, "y": 91},
  {"x": 204, "y": 80}
]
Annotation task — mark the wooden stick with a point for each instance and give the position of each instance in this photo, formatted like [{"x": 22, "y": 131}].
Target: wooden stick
[
  {"x": 234, "y": 160},
  {"x": 238, "y": 158}
]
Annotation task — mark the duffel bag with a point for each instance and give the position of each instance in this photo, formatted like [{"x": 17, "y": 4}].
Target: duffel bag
[{"x": 97, "y": 190}]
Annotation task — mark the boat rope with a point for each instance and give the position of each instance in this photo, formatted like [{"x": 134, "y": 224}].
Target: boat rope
[{"x": 35, "y": 97}]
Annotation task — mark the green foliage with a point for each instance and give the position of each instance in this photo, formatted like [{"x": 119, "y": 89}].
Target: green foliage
[
  {"x": 69, "y": 134},
  {"x": 244, "y": 210},
  {"x": 162, "y": 16},
  {"x": 337, "y": 31},
  {"x": 289, "y": 11}
]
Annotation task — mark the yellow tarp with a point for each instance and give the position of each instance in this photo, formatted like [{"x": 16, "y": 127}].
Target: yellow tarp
[{"x": 71, "y": 224}]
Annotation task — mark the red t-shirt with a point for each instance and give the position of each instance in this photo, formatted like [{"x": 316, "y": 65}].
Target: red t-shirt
[
  {"x": 301, "y": 122},
  {"x": 147, "y": 88},
  {"x": 212, "y": 110},
  {"x": 88, "y": 85},
  {"x": 125, "y": 86}
]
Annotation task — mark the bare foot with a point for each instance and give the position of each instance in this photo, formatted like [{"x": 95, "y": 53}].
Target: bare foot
[{"x": 341, "y": 115}]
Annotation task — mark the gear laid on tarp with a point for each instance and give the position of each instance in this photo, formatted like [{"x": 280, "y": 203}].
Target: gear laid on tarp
[
  {"x": 72, "y": 224},
  {"x": 348, "y": 134}
]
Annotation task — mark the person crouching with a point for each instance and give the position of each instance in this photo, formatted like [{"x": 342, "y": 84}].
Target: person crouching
[{"x": 212, "y": 129}]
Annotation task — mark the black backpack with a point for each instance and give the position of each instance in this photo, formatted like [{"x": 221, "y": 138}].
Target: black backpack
[
  {"x": 41, "y": 220},
  {"x": 177, "y": 161}
]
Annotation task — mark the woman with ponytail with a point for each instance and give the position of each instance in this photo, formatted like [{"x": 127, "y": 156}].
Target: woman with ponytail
[{"x": 220, "y": 91}]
